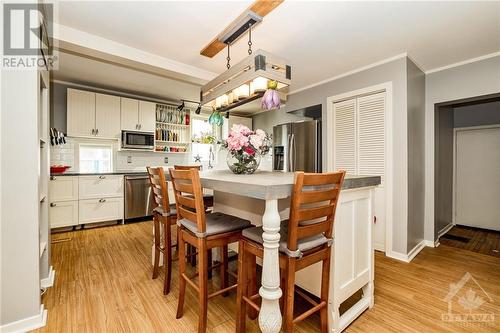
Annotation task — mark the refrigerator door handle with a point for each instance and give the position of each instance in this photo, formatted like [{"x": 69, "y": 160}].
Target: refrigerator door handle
[{"x": 292, "y": 152}]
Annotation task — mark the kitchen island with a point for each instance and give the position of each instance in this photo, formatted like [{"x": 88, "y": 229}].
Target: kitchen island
[{"x": 264, "y": 199}]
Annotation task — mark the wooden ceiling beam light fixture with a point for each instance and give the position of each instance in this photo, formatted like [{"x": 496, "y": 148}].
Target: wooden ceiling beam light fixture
[{"x": 250, "y": 17}]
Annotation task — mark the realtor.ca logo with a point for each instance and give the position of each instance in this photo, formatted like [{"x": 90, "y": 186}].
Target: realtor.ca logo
[
  {"x": 27, "y": 28},
  {"x": 467, "y": 304}
]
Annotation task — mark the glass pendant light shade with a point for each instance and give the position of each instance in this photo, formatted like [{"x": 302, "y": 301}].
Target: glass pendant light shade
[
  {"x": 224, "y": 100},
  {"x": 259, "y": 84},
  {"x": 243, "y": 91}
]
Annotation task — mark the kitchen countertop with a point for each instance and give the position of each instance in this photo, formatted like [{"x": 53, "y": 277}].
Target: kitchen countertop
[
  {"x": 138, "y": 173},
  {"x": 268, "y": 185}
]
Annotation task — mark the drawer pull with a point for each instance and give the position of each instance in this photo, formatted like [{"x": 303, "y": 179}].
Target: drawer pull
[
  {"x": 53, "y": 177},
  {"x": 52, "y": 204},
  {"x": 102, "y": 200},
  {"x": 102, "y": 177}
]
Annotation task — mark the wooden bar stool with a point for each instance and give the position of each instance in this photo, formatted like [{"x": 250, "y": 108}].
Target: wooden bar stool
[
  {"x": 305, "y": 241},
  {"x": 208, "y": 201},
  {"x": 165, "y": 215},
  {"x": 204, "y": 232}
]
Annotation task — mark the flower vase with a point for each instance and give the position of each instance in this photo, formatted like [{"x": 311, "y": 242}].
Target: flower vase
[{"x": 242, "y": 163}]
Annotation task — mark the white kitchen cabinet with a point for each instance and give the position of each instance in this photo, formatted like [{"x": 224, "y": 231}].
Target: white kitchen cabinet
[
  {"x": 99, "y": 210},
  {"x": 129, "y": 114},
  {"x": 147, "y": 116},
  {"x": 63, "y": 214},
  {"x": 80, "y": 113},
  {"x": 107, "y": 116},
  {"x": 100, "y": 186},
  {"x": 64, "y": 188}
]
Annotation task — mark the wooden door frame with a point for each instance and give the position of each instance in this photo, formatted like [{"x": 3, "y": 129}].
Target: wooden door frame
[{"x": 389, "y": 162}]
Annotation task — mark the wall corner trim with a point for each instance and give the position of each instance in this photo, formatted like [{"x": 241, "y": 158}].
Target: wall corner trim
[
  {"x": 49, "y": 280},
  {"x": 26, "y": 324}
]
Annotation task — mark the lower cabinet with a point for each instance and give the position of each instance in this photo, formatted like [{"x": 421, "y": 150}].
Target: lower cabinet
[
  {"x": 85, "y": 199},
  {"x": 99, "y": 210},
  {"x": 63, "y": 214}
]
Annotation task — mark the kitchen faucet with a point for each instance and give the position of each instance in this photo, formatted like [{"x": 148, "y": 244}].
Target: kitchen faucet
[{"x": 211, "y": 157}]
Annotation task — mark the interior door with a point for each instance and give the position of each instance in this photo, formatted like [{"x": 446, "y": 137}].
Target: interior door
[
  {"x": 303, "y": 144},
  {"x": 477, "y": 188},
  {"x": 107, "y": 116},
  {"x": 359, "y": 148}
]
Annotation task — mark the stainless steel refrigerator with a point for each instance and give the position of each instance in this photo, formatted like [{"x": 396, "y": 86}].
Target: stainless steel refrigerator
[{"x": 297, "y": 146}]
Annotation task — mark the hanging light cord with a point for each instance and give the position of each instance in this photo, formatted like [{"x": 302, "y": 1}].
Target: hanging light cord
[
  {"x": 250, "y": 39},
  {"x": 228, "y": 58}
]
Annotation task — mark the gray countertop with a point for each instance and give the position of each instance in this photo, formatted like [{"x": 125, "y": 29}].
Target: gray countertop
[
  {"x": 267, "y": 184},
  {"x": 100, "y": 174}
]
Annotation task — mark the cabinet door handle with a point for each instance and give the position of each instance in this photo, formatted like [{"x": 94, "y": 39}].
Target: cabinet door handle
[
  {"x": 53, "y": 177},
  {"x": 102, "y": 177},
  {"x": 96, "y": 131},
  {"x": 52, "y": 204},
  {"x": 102, "y": 200},
  {"x": 93, "y": 131},
  {"x": 140, "y": 126}
]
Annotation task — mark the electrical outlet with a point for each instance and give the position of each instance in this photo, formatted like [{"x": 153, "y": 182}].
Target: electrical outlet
[
  {"x": 129, "y": 159},
  {"x": 165, "y": 160}
]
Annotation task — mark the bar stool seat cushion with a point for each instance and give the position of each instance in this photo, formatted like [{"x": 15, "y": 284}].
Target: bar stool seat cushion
[
  {"x": 303, "y": 244},
  {"x": 172, "y": 212},
  {"x": 216, "y": 223}
]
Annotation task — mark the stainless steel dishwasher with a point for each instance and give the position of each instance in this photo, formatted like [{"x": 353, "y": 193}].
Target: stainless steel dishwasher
[{"x": 138, "y": 197}]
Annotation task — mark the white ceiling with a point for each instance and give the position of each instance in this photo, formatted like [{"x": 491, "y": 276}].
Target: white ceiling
[{"x": 321, "y": 39}]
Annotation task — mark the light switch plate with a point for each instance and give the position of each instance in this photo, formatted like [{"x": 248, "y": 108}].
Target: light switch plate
[{"x": 165, "y": 160}]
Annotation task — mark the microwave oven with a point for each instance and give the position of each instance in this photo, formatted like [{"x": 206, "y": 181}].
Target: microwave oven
[{"x": 138, "y": 140}]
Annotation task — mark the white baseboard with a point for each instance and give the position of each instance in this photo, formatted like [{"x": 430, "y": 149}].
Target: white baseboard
[
  {"x": 412, "y": 254},
  {"x": 26, "y": 324},
  {"x": 444, "y": 230},
  {"x": 49, "y": 280},
  {"x": 430, "y": 243}
]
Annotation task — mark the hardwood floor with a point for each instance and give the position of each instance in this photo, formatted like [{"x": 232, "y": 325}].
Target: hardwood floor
[
  {"x": 103, "y": 284},
  {"x": 473, "y": 239}
]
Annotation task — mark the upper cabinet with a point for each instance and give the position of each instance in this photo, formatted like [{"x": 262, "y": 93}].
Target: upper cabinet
[
  {"x": 107, "y": 116},
  {"x": 103, "y": 116},
  {"x": 138, "y": 115},
  {"x": 81, "y": 113},
  {"x": 129, "y": 114},
  {"x": 147, "y": 116},
  {"x": 93, "y": 115}
]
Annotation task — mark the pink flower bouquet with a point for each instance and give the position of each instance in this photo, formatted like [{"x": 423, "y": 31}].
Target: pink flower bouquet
[{"x": 245, "y": 147}]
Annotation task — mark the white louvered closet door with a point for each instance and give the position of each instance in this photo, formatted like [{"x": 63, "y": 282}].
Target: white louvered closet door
[
  {"x": 359, "y": 148},
  {"x": 371, "y": 135},
  {"x": 345, "y": 136}
]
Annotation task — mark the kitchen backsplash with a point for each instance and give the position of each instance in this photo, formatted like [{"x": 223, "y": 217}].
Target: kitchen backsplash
[{"x": 122, "y": 160}]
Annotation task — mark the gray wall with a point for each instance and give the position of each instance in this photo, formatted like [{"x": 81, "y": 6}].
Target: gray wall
[
  {"x": 394, "y": 72},
  {"x": 58, "y": 106},
  {"x": 416, "y": 154},
  {"x": 443, "y": 200},
  {"x": 477, "y": 115},
  {"x": 470, "y": 80}
]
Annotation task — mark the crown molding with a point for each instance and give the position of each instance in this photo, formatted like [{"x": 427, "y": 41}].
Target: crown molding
[{"x": 465, "y": 62}]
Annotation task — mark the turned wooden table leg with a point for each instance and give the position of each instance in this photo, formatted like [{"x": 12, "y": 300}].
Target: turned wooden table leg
[{"x": 270, "y": 315}]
